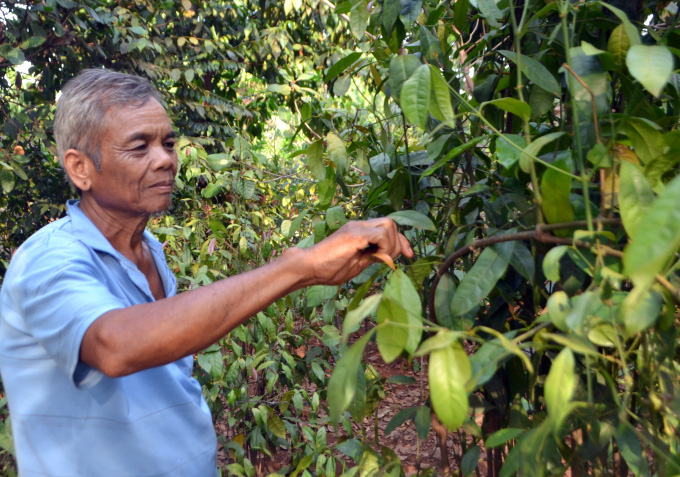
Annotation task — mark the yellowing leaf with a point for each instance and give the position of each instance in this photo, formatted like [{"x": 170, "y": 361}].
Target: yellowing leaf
[{"x": 449, "y": 370}]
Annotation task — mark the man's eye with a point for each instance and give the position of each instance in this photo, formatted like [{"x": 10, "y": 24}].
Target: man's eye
[
  {"x": 140, "y": 147},
  {"x": 170, "y": 144}
]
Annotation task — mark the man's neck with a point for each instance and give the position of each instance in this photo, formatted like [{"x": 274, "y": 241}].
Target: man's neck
[{"x": 124, "y": 231}]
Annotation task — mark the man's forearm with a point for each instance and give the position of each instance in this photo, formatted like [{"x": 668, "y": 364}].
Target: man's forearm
[{"x": 142, "y": 336}]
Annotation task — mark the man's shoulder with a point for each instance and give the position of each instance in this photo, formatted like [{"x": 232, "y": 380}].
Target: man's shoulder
[{"x": 54, "y": 234}]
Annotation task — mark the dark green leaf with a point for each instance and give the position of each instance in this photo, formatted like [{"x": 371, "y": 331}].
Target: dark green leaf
[
  {"x": 512, "y": 105},
  {"x": 501, "y": 437},
  {"x": 413, "y": 219},
  {"x": 401, "y": 69},
  {"x": 358, "y": 18},
  {"x": 657, "y": 238},
  {"x": 415, "y": 96},
  {"x": 631, "y": 450},
  {"x": 410, "y": 9},
  {"x": 535, "y": 71},
  {"x": 635, "y": 197},
  {"x": 343, "y": 381},
  {"x": 390, "y": 13},
  {"x": 400, "y": 418},
  {"x": 556, "y": 191},
  {"x": 422, "y": 421},
  {"x": 480, "y": 280},
  {"x": 341, "y": 66},
  {"x": 470, "y": 460}
]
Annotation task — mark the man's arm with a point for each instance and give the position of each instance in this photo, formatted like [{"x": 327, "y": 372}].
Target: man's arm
[{"x": 128, "y": 340}]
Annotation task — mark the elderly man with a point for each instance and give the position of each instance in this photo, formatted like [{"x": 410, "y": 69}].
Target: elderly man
[{"x": 95, "y": 345}]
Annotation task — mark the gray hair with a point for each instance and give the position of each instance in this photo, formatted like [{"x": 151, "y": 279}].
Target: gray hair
[{"x": 80, "y": 120}]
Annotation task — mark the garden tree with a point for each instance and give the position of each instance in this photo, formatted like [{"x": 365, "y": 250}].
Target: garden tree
[{"x": 530, "y": 150}]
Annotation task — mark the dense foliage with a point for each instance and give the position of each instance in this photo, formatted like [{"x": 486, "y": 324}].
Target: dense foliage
[{"x": 530, "y": 150}]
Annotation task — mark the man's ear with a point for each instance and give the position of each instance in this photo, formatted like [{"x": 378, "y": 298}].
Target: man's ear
[{"x": 79, "y": 168}]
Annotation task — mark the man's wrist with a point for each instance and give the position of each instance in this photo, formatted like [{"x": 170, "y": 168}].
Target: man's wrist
[{"x": 295, "y": 260}]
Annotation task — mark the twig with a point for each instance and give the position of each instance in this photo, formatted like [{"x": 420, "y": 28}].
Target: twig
[{"x": 538, "y": 235}]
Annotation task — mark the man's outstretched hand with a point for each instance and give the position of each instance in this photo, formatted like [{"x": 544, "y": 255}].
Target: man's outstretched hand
[{"x": 349, "y": 250}]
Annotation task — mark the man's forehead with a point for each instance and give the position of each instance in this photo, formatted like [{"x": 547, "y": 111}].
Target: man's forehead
[{"x": 146, "y": 119}]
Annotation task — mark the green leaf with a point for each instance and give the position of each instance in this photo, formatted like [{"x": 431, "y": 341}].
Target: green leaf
[
  {"x": 501, "y": 437},
  {"x": 618, "y": 44},
  {"x": 211, "y": 362},
  {"x": 415, "y": 96},
  {"x": 7, "y": 180},
  {"x": 341, "y": 65},
  {"x": 318, "y": 294},
  {"x": 410, "y": 9},
  {"x": 401, "y": 69},
  {"x": 341, "y": 85},
  {"x": 640, "y": 311},
  {"x": 15, "y": 56},
  {"x": 413, "y": 219},
  {"x": 440, "y": 103},
  {"x": 556, "y": 191},
  {"x": 342, "y": 384},
  {"x": 219, "y": 162},
  {"x": 507, "y": 154},
  {"x": 460, "y": 11},
  {"x": 490, "y": 11},
  {"x": 422, "y": 421},
  {"x": 357, "y": 315},
  {"x": 631, "y": 450},
  {"x": 400, "y": 305},
  {"x": 541, "y": 101},
  {"x": 443, "y": 296},
  {"x": 276, "y": 425},
  {"x": 551, "y": 263},
  {"x": 480, "y": 280},
  {"x": 535, "y": 147},
  {"x": 558, "y": 308},
  {"x": 33, "y": 42},
  {"x": 282, "y": 89},
  {"x": 511, "y": 105},
  {"x": 443, "y": 339},
  {"x": 314, "y": 159},
  {"x": 189, "y": 75},
  {"x": 651, "y": 65},
  {"x": 337, "y": 152},
  {"x": 574, "y": 342},
  {"x": 358, "y": 19},
  {"x": 560, "y": 386},
  {"x": 631, "y": 31},
  {"x": 635, "y": 197},
  {"x": 335, "y": 218},
  {"x": 390, "y": 13},
  {"x": 535, "y": 71},
  {"x": 455, "y": 152},
  {"x": 647, "y": 139},
  {"x": 599, "y": 156},
  {"x": 470, "y": 460},
  {"x": 657, "y": 238},
  {"x": 449, "y": 370},
  {"x": 400, "y": 418}
]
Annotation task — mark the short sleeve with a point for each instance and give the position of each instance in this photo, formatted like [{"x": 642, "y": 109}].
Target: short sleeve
[{"x": 54, "y": 290}]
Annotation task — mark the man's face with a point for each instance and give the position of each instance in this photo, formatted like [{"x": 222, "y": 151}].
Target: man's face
[{"x": 139, "y": 161}]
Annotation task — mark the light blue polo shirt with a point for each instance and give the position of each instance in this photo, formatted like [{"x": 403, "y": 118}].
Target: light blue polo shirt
[{"x": 69, "y": 419}]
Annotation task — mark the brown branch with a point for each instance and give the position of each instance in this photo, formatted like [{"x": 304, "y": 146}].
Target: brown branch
[{"x": 539, "y": 235}]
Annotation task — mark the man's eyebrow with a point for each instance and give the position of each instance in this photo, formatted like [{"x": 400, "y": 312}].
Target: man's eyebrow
[{"x": 145, "y": 136}]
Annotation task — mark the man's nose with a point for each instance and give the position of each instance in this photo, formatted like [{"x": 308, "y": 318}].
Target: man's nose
[{"x": 164, "y": 158}]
